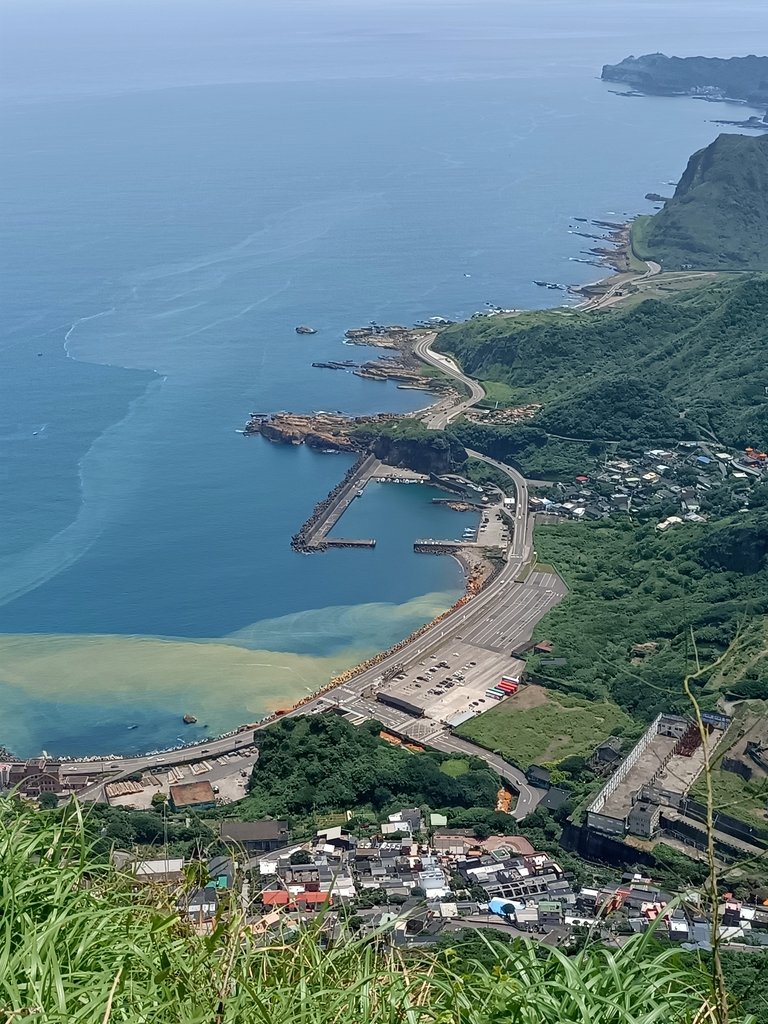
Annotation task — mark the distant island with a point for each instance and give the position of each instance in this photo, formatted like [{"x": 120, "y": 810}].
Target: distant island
[
  {"x": 718, "y": 216},
  {"x": 716, "y": 78}
]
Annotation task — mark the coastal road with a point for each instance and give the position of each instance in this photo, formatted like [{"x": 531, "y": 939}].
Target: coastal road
[
  {"x": 442, "y": 414},
  {"x": 612, "y": 294}
]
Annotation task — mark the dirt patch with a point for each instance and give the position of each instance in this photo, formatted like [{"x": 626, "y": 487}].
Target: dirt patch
[
  {"x": 530, "y": 697},
  {"x": 504, "y": 800}
]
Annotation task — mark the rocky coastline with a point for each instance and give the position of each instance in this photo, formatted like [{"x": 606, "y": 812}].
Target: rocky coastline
[{"x": 323, "y": 430}]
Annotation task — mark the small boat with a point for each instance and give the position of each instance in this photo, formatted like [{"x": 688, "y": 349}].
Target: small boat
[
  {"x": 132, "y": 727},
  {"x": 359, "y": 494},
  {"x": 189, "y": 719},
  {"x": 303, "y": 329}
]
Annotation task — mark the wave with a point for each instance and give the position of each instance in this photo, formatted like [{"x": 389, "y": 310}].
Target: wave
[
  {"x": 374, "y": 625},
  {"x": 26, "y": 570},
  {"x": 81, "y": 320}
]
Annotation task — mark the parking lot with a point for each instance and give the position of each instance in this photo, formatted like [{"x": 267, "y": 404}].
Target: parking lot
[
  {"x": 453, "y": 683},
  {"x": 492, "y": 531},
  {"x": 228, "y": 773}
]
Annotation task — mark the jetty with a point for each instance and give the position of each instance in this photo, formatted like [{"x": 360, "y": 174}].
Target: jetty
[
  {"x": 441, "y": 547},
  {"x": 344, "y": 542},
  {"x": 313, "y": 535}
]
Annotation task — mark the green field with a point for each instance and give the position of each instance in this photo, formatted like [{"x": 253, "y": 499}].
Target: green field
[
  {"x": 561, "y": 726},
  {"x": 498, "y": 391},
  {"x": 737, "y": 797},
  {"x": 454, "y": 768},
  {"x": 639, "y": 245}
]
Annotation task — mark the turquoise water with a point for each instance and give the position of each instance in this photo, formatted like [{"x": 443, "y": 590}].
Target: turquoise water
[{"x": 180, "y": 188}]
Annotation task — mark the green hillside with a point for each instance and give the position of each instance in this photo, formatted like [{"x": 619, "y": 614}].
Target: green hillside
[
  {"x": 84, "y": 945},
  {"x": 662, "y": 370},
  {"x": 718, "y": 216},
  {"x": 323, "y": 763},
  {"x": 743, "y": 78},
  {"x": 628, "y": 584}
]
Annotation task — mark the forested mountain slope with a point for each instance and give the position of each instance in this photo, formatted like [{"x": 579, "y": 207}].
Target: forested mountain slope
[
  {"x": 718, "y": 216},
  {"x": 661, "y": 370}
]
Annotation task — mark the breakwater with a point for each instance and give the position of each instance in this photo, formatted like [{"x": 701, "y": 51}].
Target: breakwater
[{"x": 312, "y": 535}]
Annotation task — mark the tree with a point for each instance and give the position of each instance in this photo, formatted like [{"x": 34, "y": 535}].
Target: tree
[
  {"x": 300, "y": 857},
  {"x": 48, "y": 801},
  {"x": 158, "y": 800}
]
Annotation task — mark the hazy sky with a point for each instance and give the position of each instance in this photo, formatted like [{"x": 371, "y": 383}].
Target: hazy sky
[{"x": 96, "y": 45}]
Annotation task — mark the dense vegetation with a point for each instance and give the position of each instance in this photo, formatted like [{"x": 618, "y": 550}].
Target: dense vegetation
[
  {"x": 322, "y": 763},
  {"x": 718, "y": 216},
  {"x": 689, "y": 366},
  {"x": 747, "y": 978},
  {"x": 630, "y": 584},
  {"x": 186, "y": 835},
  {"x": 528, "y": 448},
  {"x": 83, "y": 945}
]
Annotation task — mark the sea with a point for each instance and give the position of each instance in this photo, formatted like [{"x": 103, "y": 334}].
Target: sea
[{"x": 184, "y": 182}]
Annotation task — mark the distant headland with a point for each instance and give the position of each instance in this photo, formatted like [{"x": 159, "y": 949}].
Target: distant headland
[{"x": 744, "y": 79}]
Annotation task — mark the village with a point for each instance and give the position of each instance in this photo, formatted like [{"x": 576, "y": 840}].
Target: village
[
  {"x": 415, "y": 881},
  {"x": 674, "y": 484}
]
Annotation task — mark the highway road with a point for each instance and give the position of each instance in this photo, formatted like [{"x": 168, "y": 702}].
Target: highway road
[
  {"x": 442, "y": 413},
  {"x": 498, "y": 618},
  {"x": 612, "y": 294}
]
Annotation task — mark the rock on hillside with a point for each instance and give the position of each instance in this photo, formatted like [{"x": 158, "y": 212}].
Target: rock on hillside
[{"x": 435, "y": 454}]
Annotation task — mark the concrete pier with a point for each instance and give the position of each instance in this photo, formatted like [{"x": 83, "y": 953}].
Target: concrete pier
[
  {"x": 442, "y": 547},
  {"x": 313, "y": 536},
  {"x": 342, "y": 542}
]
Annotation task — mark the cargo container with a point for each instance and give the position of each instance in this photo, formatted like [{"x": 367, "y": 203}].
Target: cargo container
[{"x": 509, "y": 688}]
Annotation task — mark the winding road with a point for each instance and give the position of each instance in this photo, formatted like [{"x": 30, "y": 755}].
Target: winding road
[
  {"x": 440, "y": 415},
  {"x": 614, "y": 293}
]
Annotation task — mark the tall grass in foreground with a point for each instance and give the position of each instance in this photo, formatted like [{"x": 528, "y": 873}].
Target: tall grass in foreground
[{"x": 79, "y": 944}]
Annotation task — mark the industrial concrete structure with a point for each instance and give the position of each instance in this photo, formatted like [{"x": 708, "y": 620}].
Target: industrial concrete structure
[{"x": 656, "y": 774}]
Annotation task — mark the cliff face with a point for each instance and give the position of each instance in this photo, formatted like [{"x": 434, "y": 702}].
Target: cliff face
[
  {"x": 718, "y": 216},
  {"x": 437, "y": 454},
  {"x": 741, "y": 78}
]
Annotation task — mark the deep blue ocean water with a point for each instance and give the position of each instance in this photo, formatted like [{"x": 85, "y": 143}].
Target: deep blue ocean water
[{"x": 181, "y": 184}]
